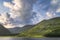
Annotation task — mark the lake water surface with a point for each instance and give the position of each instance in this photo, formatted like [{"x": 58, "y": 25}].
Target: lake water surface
[{"x": 9, "y": 38}]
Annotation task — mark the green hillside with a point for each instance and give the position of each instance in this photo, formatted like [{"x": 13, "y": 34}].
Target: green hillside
[
  {"x": 3, "y": 31},
  {"x": 46, "y": 28}
]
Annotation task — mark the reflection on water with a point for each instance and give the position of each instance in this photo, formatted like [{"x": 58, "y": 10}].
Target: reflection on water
[{"x": 9, "y": 38}]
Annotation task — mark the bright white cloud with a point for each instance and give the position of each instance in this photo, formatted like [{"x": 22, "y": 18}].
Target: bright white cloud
[
  {"x": 20, "y": 11},
  {"x": 53, "y": 9},
  {"x": 21, "y": 8},
  {"x": 8, "y": 4},
  {"x": 3, "y": 18},
  {"x": 54, "y": 2},
  {"x": 58, "y": 10},
  {"x": 49, "y": 14}
]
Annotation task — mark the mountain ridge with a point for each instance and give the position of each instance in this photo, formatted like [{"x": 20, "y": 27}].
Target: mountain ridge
[
  {"x": 43, "y": 28},
  {"x": 4, "y": 31},
  {"x": 17, "y": 30}
]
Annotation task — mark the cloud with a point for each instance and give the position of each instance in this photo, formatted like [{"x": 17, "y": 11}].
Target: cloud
[
  {"x": 8, "y": 4},
  {"x": 37, "y": 17},
  {"x": 54, "y": 2},
  {"x": 4, "y": 17},
  {"x": 20, "y": 11},
  {"x": 49, "y": 14},
  {"x": 58, "y": 10},
  {"x": 21, "y": 8}
]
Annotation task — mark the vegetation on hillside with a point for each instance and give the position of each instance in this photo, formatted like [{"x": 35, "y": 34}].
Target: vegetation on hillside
[
  {"x": 4, "y": 31},
  {"x": 46, "y": 28}
]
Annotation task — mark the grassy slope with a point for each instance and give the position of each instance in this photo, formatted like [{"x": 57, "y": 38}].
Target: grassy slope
[{"x": 45, "y": 28}]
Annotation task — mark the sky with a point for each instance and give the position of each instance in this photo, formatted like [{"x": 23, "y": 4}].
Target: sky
[{"x": 17, "y": 13}]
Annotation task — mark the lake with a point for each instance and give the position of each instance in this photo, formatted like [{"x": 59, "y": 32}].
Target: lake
[{"x": 18, "y": 38}]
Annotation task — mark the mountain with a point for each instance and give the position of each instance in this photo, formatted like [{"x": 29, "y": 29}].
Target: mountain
[
  {"x": 17, "y": 30},
  {"x": 4, "y": 31},
  {"x": 46, "y": 28}
]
